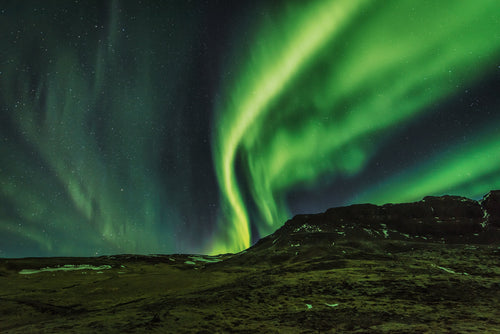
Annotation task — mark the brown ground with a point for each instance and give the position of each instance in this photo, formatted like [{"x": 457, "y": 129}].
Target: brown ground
[{"x": 382, "y": 286}]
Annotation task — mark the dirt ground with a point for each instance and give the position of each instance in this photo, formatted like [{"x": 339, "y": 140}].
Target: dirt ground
[{"x": 351, "y": 287}]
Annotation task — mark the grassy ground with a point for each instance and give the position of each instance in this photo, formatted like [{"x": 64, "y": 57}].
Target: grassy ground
[{"x": 349, "y": 288}]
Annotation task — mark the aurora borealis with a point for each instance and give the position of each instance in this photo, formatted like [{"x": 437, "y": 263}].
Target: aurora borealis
[{"x": 198, "y": 127}]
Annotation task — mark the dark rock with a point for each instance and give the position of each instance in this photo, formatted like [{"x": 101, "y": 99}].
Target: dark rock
[
  {"x": 451, "y": 219},
  {"x": 438, "y": 216},
  {"x": 491, "y": 207}
]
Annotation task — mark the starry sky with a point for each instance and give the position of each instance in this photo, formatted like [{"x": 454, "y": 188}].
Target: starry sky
[{"x": 201, "y": 126}]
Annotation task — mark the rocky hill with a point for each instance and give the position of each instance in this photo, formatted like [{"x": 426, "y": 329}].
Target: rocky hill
[
  {"x": 429, "y": 266},
  {"x": 442, "y": 220},
  {"x": 451, "y": 219}
]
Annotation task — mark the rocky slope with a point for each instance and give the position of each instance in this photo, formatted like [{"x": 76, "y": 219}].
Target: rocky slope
[
  {"x": 448, "y": 218},
  {"x": 445, "y": 220},
  {"x": 429, "y": 266}
]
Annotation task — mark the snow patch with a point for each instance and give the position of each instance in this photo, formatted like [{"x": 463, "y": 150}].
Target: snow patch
[
  {"x": 331, "y": 305},
  {"x": 370, "y": 232},
  {"x": 307, "y": 228},
  {"x": 67, "y": 267},
  {"x": 449, "y": 270},
  {"x": 486, "y": 217},
  {"x": 384, "y": 230},
  {"x": 207, "y": 258}
]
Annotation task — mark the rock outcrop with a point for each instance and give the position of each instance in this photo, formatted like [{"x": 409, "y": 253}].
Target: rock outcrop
[
  {"x": 491, "y": 206},
  {"x": 444, "y": 219}
]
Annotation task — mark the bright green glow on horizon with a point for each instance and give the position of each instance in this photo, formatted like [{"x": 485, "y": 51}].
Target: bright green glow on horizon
[
  {"x": 469, "y": 169},
  {"x": 325, "y": 84},
  {"x": 313, "y": 27}
]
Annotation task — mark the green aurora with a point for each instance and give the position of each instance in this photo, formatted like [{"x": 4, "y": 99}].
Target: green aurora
[
  {"x": 322, "y": 86},
  {"x": 467, "y": 169},
  {"x": 199, "y": 127},
  {"x": 87, "y": 136}
]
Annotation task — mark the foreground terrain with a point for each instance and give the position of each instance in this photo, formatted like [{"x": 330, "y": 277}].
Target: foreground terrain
[{"x": 430, "y": 266}]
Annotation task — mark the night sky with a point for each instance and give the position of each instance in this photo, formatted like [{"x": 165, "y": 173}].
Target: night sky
[{"x": 201, "y": 126}]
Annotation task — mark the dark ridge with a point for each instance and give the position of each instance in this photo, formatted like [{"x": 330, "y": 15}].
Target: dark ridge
[{"x": 445, "y": 219}]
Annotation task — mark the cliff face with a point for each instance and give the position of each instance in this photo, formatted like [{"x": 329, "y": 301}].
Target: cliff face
[
  {"x": 491, "y": 207},
  {"x": 445, "y": 219}
]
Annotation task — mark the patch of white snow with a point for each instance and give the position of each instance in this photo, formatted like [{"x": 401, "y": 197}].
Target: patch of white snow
[{"x": 67, "y": 267}]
